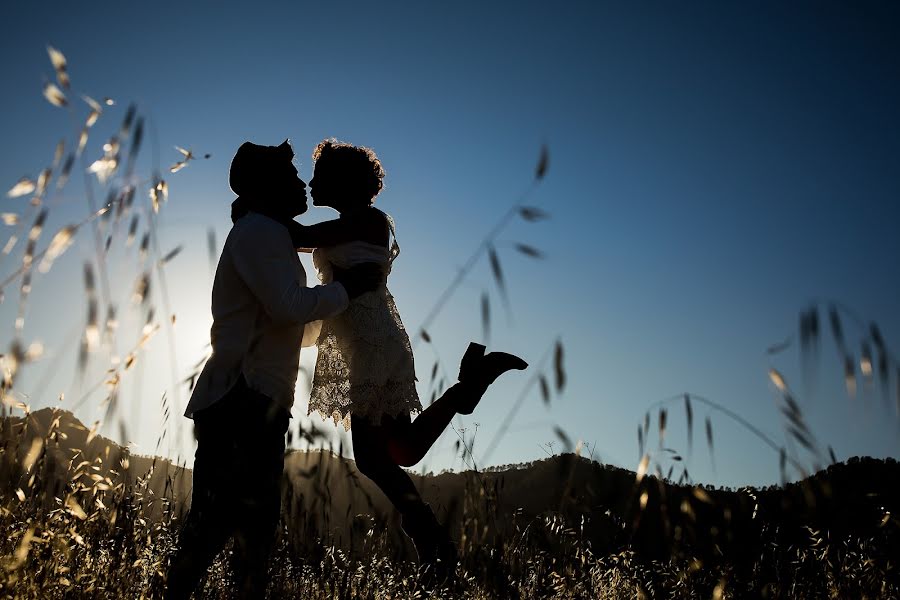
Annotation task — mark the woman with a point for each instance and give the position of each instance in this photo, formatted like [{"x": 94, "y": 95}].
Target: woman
[{"x": 365, "y": 375}]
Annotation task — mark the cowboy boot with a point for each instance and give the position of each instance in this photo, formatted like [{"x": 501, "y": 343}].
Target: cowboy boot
[{"x": 478, "y": 370}]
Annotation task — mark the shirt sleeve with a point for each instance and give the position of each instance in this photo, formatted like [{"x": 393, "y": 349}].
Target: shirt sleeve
[{"x": 265, "y": 261}]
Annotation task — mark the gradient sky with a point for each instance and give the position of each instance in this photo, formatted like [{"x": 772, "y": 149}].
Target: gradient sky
[{"x": 714, "y": 168}]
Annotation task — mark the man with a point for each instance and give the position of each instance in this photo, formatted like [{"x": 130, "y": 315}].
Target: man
[{"x": 242, "y": 400}]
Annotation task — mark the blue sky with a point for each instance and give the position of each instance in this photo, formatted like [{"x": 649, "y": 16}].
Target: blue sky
[{"x": 713, "y": 169}]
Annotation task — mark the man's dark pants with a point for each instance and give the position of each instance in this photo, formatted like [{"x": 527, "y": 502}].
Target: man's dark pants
[{"x": 236, "y": 491}]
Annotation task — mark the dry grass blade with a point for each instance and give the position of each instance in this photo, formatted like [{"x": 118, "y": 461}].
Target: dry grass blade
[
  {"x": 11, "y": 363},
  {"x": 103, "y": 168},
  {"x": 54, "y": 95},
  {"x": 865, "y": 360},
  {"x": 498, "y": 274},
  {"x": 782, "y": 465},
  {"x": 42, "y": 181},
  {"x": 58, "y": 152},
  {"x": 145, "y": 245},
  {"x": 95, "y": 106},
  {"x": 58, "y": 245},
  {"x": 34, "y": 352},
  {"x": 836, "y": 329},
  {"x": 425, "y": 336},
  {"x": 130, "y": 113},
  {"x": 875, "y": 333},
  {"x": 689, "y": 414},
  {"x": 529, "y": 251},
  {"x": 566, "y": 441},
  {"x": 82, "y": 141},
  {"x": 141, "y": 289},
  {"x": 111, "y": 322},
  {"x": 662, "y": 425},
  {"x": 75, "y": 509},
  {"x": 177, "y": 166},
  {"x": 58, "y": 60},
  {"x": 792, "y": 408},
  {"x": 813, "y": 321},
  {"x": 434, "y": 372},
  {"x": 10, "y": 218},
  {"x": 640, "y": 436},
  {"x": 128, "y": 196},
  {"x": 35, "y": 232},
  {"x": 558, "y": 366},
  {"x": 136, "y": 139},
  {"x": 779, "y": 347},
  {"x": 20, "y": 555},
  {"x": 645, "y": 497},
  {"x": 778, "y": 380},
  {"x": 132, "y": 231},
  {"x": 92, "y": 329},
  {"x": 850, "y": 375},
  {"x": 883, "y": 374},
  {"x": 897, "y": 390},
  {"x": 532, "y": 214},
  {"x": 159, "y": 193},
  {"x": 172, "y": 254},
  {"x": 25, "y": 288},
  {"x": 805, "y": 331},
  {"x": 802, "y": 437},
  {"x": 485, "y": 316},
  {"x": 154, "y": 199},
  {"x": 642, "y": 468},
  {"x": 709, "y": 434},
  {"x": 211, "y": 246},
  {"x": 719, "y": 591},
  {"x": 702, "y": 495},
  {"x": 34, "y": 451},
  {"x": 10, "y": 244},
  {"x": 545, "y": 389},
  {"x": 22, "y": 187},
  {"x": 543, "y": 163},
  {"x": 64, "y": 174},
  {"x": 89, "y": 284}
]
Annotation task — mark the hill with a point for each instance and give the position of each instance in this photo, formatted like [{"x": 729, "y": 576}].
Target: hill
[{"x": 610, "y": 508}]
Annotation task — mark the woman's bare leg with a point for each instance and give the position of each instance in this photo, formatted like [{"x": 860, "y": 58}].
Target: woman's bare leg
[{"x": 409, "y": 443}]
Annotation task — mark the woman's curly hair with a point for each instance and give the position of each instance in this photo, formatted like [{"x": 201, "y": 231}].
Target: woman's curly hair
[{"x": 358, "y": 164}]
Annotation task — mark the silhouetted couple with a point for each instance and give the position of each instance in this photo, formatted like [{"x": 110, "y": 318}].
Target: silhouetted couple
[{"x": 364, "y": 376}]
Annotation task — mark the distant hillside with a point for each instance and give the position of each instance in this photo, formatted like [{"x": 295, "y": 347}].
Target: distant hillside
[
  {"x": 67, "y": 443},
  {"x": 327, "y": 498}
]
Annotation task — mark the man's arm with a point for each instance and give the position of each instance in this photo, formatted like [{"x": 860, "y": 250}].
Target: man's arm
[
  {"x": 326, "y": 233},
  {"x": 263, "y": 258},
  {"x": 370, "y": 227}
]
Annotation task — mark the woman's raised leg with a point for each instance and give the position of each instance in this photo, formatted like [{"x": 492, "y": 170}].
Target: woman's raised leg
[{"x": 409, "y": 442}]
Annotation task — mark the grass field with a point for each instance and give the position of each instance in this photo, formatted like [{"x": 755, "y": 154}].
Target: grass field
[{"x": 99, "y": 522}]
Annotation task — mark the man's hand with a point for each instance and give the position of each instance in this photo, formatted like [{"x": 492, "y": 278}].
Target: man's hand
[{"x": 360, "y": 279}]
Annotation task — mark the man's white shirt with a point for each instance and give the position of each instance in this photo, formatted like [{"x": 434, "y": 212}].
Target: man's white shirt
[{"x": 260, "y": 304}]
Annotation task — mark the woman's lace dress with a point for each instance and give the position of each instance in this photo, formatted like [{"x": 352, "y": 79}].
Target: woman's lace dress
[{"x": 365, "y": 363}]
